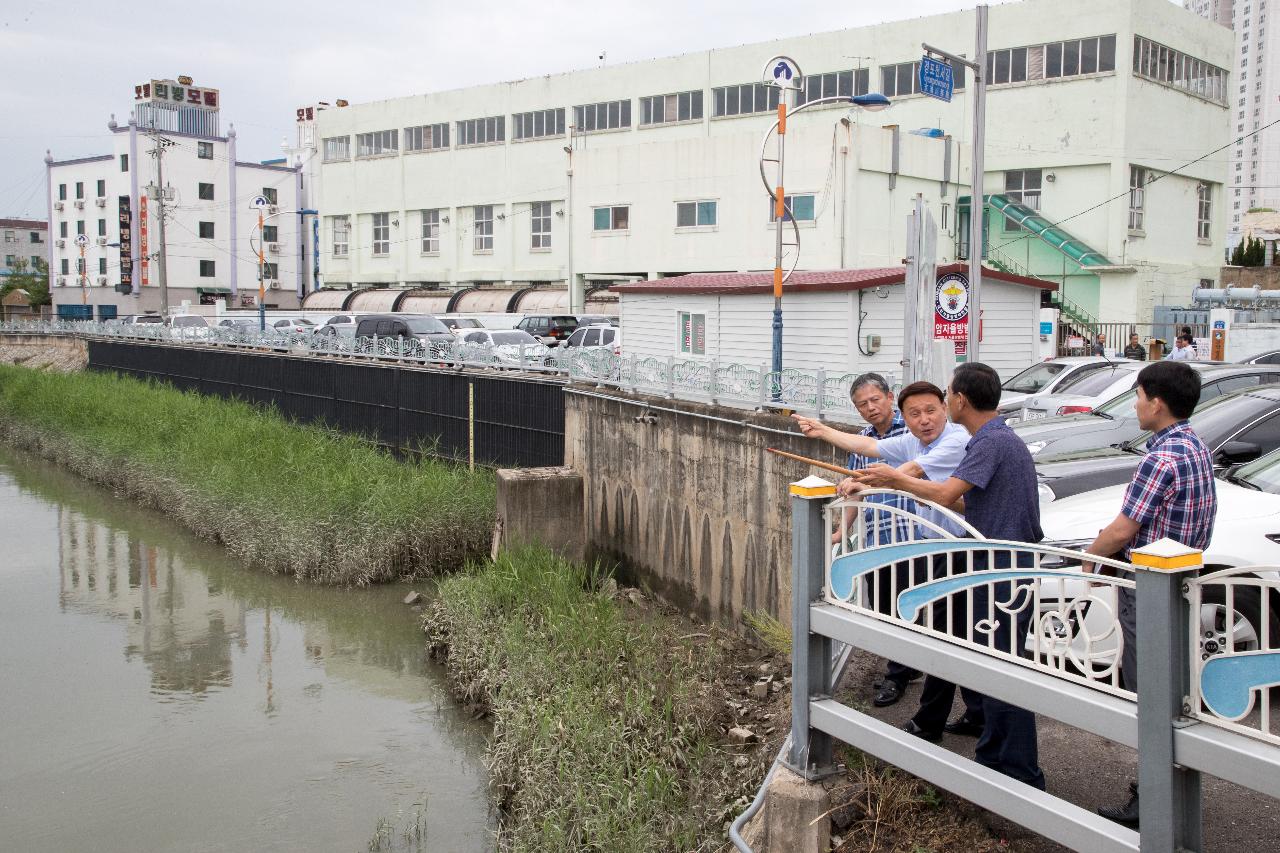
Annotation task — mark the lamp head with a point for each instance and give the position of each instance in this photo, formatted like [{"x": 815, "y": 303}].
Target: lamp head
[{"x": 871, "y": 102}]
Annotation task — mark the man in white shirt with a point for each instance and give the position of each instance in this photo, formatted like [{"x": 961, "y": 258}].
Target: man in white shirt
[{"x": 1182, "y": 350}]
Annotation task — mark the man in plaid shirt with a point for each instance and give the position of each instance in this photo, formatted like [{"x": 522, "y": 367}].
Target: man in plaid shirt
[{"x": 1172, "y": 495}]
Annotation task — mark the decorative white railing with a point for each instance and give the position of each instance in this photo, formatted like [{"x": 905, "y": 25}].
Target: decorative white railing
[{"x": 734, "y": 384}]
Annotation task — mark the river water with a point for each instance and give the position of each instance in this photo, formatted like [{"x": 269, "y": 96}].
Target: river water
[{"x": 154, "y": 696}]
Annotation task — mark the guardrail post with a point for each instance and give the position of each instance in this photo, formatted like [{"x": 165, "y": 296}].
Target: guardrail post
[
  {"x": 671, "y": 377},
  {"x": 810, "y": 753},
  {"x": 1169, "y": 805},
  {"x": 822, "y": 389}
]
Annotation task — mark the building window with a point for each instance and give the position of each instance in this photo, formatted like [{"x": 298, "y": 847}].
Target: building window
[
  {"x": 536, "y": 125},
  {"x": 62, "y": 229},
  {"x": 102, "y": 189},
  {"x": 426, "y": 137},
  {"x": 124, "y": 162},
  {"x": 381, "y": 234},
  {"x": 843, "y": 84},
  {"x": 430, "y": 232},
  {"x": 611, "y": 218},
  {"x": 1022, "y": 186},
  {"x": 1159, "y": 64},
  {"x": 482, "y": 131},
  {"x": 62, "y": 192},
  {"x": 483, "y": 218},
  {"x": 1007, "y": 66},
  {"x": 10, "y": 260},
  {"x": 10, "y": 236},
  {"x": 206, "y": 230},
  {"x": 663, "y": 109},
  {"x": 204, "y": 150},
  {"x": 102, "y": 227},
  {"x": 540, "y": 225},
  {"x": 35, "y": 259},
  {"x": 695, "y": 214},
  {"x": 102, "y": 266},
  {"x": 901, "y": 79},
  {"x": 691, "y": 333},
  {"x": 79, "y": 189},
  {"x": 1080, "y": 56},
  {"x": 207, "y": 269},
  {"x": 270, "y": 271},
  {"x": 271, "y": 194},
  {"x": 378, "y": 142},
  {"x": 37, "y": 237},
  {"x": 341, "y": 235},
  {"x": 66, "y": 264},
  {"x": 79, "y": 226},
  {"x": 270, "y": 233},
  {"x": 337, "y": 148},
  {"x": 610, "y": 115},
  {"x": 744, "y": 100},
  {"x": 1204, "y": 210},
  {"x": 81, "y": 269},
  {"x": 205, "y": 192},
  {"x": 801, "y": 207},
  {"x": 1138, "y": 181}
]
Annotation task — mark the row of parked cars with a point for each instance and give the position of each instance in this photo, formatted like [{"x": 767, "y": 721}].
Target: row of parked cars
[{"x": 1077, "y": 417}]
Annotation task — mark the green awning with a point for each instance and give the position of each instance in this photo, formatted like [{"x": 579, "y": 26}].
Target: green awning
[
  {"x": 218, "y": 290},
  {"x": 1055, "y": 236}
]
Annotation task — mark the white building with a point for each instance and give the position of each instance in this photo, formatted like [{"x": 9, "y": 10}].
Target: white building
[
  {"x": 1092, "y": 107},
  {"x": 1219, "y": 11},
  {"x": 211, "y": 232},
  {"x": 24, "y": 241}
]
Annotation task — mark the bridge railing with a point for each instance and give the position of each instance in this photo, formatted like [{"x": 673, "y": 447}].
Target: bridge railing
[
  {"x": 910, "y": 581},
  {"x": 737, "y": 385}
]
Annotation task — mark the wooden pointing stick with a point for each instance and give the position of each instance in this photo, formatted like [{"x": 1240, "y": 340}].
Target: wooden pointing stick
[{"x": 806, "y": 460}]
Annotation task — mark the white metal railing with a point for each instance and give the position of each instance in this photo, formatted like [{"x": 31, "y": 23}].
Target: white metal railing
[
  {"x": 1027, "y": 604},
  {"x": 1233, "y": 649},
  {"x": 731, "y": 384}
]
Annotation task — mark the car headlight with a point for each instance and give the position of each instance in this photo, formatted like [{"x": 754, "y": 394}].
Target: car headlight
[
  {"x": 1036, "y": 446},
  {"x": 1045, "y": 493}
]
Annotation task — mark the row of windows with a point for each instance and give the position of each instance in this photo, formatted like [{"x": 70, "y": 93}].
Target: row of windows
[
  {"x": 102, "y": 189},
  {"x": 1052, "y": 61},
  {"x": 1173, "y": 68},
  {"x": 11, "y": 236},
  {"x": 11, "y": 260}
]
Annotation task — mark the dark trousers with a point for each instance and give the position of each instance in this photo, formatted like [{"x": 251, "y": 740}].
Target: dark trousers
[
  {"x": 882, "y": 588},
  {"x": 1127, "y": 611}
]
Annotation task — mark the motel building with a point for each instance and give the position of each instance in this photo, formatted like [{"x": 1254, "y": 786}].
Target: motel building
[
  {"x": 649, "y": 170},
  {"x": 112, "y": 202}
]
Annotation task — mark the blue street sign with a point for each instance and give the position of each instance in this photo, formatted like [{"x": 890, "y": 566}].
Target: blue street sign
[
  {"x": 937, "y": 78},
  {"x": 1046, "y": 328}
]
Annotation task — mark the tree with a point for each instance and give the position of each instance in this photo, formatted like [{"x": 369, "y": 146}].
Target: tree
[
  {"x": 33, "y": 278},
  {"x": 1250, "y": 253}
]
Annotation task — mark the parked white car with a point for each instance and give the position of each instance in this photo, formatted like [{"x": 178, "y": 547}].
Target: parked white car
[
  {"x": 1046, "y": 377},
  {"x": 293, "y": 326},
  {"x": 187, "y": 326},
  {"x": 504, "y": 347},
  {"x": 600, "y": 336},
  {"x": 1246, "y": 533},
  {"x": 1081, "y": 391}
]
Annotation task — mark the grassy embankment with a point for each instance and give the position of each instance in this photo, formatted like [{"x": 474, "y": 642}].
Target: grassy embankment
[
  {"x": 283, "y": 497},
  {"x": 607, "y": 722}
]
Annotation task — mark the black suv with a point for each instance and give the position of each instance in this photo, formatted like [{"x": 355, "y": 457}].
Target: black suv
[
  {"x": 551, "y": 329},
  {"x": 423, "y": 329}
]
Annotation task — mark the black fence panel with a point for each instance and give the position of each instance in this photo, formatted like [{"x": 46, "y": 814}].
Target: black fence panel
[{"x": 501, "y": 421}]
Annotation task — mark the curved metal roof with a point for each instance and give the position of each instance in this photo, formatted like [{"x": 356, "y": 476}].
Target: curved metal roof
[
  {"x": 1054, "y": 235},
  {"x": 483, "y": 301},
  {"x": 325, "y": 300},
  {"x": 374, "y": 300},
  {"x": 426, "y": 302}
]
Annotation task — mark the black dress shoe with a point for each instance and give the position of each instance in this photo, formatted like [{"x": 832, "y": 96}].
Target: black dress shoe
[
  {"x": 1126, "y": 814},
  {"x": 964, "y": 725},
  {"x": 911, "y": 728},
  {"x": 888, "y": 694}
]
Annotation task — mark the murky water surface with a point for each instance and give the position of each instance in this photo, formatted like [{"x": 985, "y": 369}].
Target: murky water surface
[{"x": 154, "y": 696}]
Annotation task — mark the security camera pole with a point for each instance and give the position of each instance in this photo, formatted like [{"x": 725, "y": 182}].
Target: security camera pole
[{"x": 977, "y": 206}]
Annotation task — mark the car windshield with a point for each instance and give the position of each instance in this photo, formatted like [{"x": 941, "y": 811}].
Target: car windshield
[
  {"x": 465, "y": 324},
  {"x": 1214, "y": 419},
  {"x": 304, "y": 321},
  {"x": 189, "y": 321},
  {"x": 1121, "y": 407},
  {"x": 1263, "y": 473},
  {"x": 513, "y": 338},
  {"x": 1089, "y": 383},
  {"x": 1034, "y": 378},
  {"x": 425, "y": 325}
]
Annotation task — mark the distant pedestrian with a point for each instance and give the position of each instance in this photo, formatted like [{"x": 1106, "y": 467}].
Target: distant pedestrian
[
  {"x": 1100, "y": 345},
  {"x": 1135, "y": 350},
  {"x": 997, "y": 481},
  {"x": 1172, "y": 495},
  {"x": 1183, "y": 350}
]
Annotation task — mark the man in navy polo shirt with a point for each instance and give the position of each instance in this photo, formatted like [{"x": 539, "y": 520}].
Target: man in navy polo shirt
[{"x": 997, "y": 481}]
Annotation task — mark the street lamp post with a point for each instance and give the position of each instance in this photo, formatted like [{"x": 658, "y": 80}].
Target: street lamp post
[
  {"x": 783, "y": 73},
  {"x": 262, "y": 260}
]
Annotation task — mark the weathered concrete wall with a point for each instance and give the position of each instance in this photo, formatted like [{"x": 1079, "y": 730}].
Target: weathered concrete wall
[
  {"x": 60, "y": 352},
  {"x": 540, "y": 506},
  {"x": 687, "y": 499},
  {"x": 1268, "y": 278}
]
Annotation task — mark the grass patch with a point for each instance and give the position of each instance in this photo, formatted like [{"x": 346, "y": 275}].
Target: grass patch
[
  {"x": 605, "y": 730},
  {"x": 280, "y": 496}
]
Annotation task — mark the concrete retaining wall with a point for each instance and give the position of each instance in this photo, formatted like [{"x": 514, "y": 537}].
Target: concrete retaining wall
[
  {"x": 60, "y": 352},
  {"x": 685, "y": 497}
]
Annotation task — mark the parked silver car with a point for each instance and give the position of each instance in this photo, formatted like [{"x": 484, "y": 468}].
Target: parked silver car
[
  {"x": 1046, "y": 376},
  {"x": 1082, "y": 391}
]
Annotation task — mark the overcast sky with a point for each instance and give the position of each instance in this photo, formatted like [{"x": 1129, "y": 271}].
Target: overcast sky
[{"x": 69, "y": 65}]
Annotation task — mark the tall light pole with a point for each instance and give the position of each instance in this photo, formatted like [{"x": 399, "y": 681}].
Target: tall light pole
[
  {"x": 783, "y": 73},
  {"x": 977, "y": 205},
  {"x": 163, "y": 258}
]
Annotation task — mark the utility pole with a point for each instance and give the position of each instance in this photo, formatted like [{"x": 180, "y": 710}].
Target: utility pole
[
  {"x": 576, "y": 297},
  {"x": 162, "y": 265}
]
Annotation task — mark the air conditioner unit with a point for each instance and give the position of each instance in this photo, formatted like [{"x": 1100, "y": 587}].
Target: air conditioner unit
[
  {"x": 100, "y": 201},
  {"x": 60, "y": 243},
  {"x": 79, "y": 204},
  {"x": 102, "y": 281},
  {"x": 273, "y": 248},
  {"x": 57, "y": 205},
  {"x": 271, "y": 208},
  {"x": 274, "y": 285},
  {"x": 102, "y": 241},
  {"x": 62, "y": 281}
]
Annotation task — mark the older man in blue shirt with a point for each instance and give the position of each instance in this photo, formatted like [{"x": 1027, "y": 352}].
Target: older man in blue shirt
[{"x": 997, "y": 481}]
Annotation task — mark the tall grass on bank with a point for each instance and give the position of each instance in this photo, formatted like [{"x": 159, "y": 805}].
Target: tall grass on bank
[
  {"x": 283, "y": 497},
  {"x": 604, "y": 733}
]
